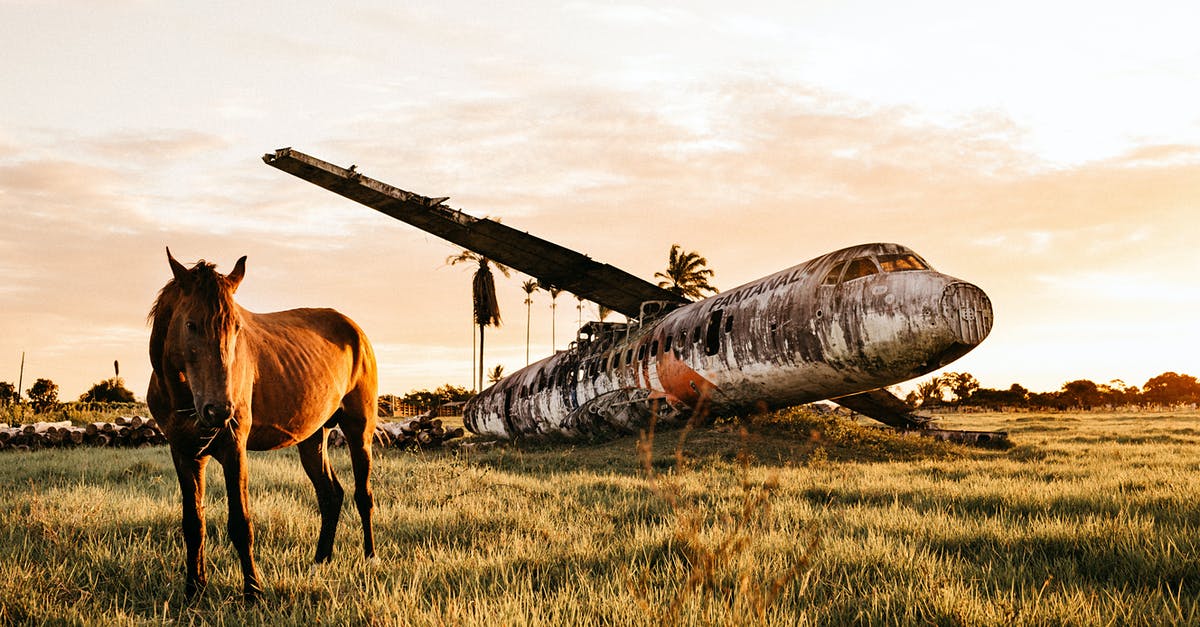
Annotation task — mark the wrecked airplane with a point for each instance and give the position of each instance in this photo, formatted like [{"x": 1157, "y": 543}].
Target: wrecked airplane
[{"x": 841, "y": 327}]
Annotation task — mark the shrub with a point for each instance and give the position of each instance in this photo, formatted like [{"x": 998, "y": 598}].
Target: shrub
[
  {"x": 108, "y": 391},
  {"x": 43, "y": 395}
]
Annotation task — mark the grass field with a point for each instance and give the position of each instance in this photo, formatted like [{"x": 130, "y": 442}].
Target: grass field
[{"x": 1089, "y": 518}]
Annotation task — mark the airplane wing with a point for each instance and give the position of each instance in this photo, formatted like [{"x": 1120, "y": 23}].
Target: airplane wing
[
  {"x": 552, "y": 265},
  {"x": 884, "y": 407}
]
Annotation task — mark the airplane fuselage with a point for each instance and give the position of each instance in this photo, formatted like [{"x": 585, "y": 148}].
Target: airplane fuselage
[
  {"x": 839, "y": 327},
  {"x": 847, "y": 322}
]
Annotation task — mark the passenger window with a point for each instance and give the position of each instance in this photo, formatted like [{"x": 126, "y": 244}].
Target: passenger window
[
  {"x": 834, "y": 273},
  {"x": 859, "y": 268},
  {"x": 654, "y": 349},
  {"x": 629, "y": 357},
  {"x": 901, "y": 263},
  {"x": 729, "y": 324},
  {"x": 667, "y": 344},
  {"x": 641, "y": 352},
  {"x": 712, "y": 341}
]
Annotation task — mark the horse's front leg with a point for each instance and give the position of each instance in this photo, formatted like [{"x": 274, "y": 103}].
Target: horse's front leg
[
  {"x": 191, "y": 487},
  {"x": 240, "y": 532}
]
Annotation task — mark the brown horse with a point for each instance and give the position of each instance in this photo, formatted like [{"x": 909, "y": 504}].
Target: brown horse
[{"x": 226, "y": 380}]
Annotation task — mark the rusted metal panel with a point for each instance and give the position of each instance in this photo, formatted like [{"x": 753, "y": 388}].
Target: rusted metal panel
[
  {"x": 551, "y": 264},
  {"x": 840, "y": 326},
  {"x": 789, "y": 338}
]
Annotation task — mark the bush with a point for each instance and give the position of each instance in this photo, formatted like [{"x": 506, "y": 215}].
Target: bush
[
  {"x": 108, "y": 391},
  {"x": 8, "y": 394},
  {"x": 43, "y": 395}
]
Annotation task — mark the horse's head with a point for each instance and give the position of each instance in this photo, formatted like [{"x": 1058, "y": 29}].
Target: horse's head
[{"x": 201, "y": 337}]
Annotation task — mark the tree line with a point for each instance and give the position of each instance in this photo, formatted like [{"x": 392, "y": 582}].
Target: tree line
[
  {"x": 424, "y": 399},
  {"x": 43, "y": 394},
  {"x": 951, "y": 389},
  {"x": 687, "y": 274},
  {"x": 961, "y": 389}
]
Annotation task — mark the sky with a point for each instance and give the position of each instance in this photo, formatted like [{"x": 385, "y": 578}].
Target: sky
[{"x": 1047, "y": 152}]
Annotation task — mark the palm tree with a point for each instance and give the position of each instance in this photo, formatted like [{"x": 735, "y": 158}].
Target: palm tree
[
  {"x": 931, "y": 391},
  {"x": 579, "y": 306},
  {"x": 486, "y": 309},
  {"x": 529, "y": 287},
  {"x": 554, "y": 292},
  {"x": 603, "y": 312},
  {"x": 496, "y": 373},
  {"x": 687, "y": 274}
]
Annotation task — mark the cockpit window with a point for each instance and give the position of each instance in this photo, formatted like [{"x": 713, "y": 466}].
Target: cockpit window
[
  {"x": 901, "y": 263},
  {"x": 858, "y": 268},
  {"x": 832, "y": 277}
]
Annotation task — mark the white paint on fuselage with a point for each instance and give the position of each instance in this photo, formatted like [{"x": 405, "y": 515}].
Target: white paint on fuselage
[{"x": 792, "y": 340}]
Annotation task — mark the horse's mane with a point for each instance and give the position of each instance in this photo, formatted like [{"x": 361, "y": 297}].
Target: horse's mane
[{"x": 205, "y": 285}]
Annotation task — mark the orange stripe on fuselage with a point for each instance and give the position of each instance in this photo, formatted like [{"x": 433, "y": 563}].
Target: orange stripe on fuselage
[{"x": 682, "y": 382}]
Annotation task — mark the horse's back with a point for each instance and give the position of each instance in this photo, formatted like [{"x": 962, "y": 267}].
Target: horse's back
[{"x": 309, "y": 361}]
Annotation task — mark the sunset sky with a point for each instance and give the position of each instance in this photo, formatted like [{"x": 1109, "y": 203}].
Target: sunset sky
[{"x": 1047, "y": 152}]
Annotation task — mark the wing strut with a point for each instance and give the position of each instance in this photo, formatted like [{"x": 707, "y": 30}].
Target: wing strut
[
  {"x": 886, "y": 408},
  {"x": 551, "y": 264}
]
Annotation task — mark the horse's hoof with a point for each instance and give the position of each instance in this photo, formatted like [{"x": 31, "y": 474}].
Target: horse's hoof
[{"x": 192, "y": 591}]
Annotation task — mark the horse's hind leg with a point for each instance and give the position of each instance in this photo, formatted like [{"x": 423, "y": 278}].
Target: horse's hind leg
[
  {"x": 314, "y": 458},
  {"x": 358, "y": 423}
]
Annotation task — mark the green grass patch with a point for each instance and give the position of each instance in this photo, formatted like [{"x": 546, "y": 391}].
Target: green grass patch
[{"x": 790, "y": 518}]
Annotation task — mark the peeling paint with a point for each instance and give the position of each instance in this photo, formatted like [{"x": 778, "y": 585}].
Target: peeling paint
[
  {"x": 793, "y": 337},
  {"x": 838, "y": 327}
]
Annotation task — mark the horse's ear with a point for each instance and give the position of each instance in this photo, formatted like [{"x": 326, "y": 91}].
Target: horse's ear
[
  {"x": 239, "y": 273},
  {"x": 180, "y": 272}
]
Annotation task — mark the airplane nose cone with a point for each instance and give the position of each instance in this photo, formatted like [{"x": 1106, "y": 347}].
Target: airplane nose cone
[{"x": 968, "y": 311}]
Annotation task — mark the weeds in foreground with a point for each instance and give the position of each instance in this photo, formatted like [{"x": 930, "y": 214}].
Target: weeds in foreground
[
  {"x": 718, "y": 551},
  {"x": 1095, "y": 525}
]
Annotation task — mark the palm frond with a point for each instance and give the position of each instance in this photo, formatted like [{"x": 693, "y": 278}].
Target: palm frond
[{"x": 687, "y": 274}]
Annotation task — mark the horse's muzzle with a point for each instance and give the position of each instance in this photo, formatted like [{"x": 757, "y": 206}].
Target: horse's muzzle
[{"x": 216, "y": 414}]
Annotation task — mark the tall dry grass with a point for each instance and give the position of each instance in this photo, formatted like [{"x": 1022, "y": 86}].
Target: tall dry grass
[{"x": 1090, "y": 519}]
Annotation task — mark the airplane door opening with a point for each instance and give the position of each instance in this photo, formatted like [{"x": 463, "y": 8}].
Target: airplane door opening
[{"x": 712, "y": 340}]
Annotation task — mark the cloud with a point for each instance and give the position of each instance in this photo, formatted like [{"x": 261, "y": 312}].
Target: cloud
[
  {"x": 635, "y": 14},
  {"x": 789, "y": 173},
  {"x": 802, "y": 170},
  {"x": 66, "y": 190},
  {"x": 757, "y": 174},
  {"x": 154, "y": 148}
]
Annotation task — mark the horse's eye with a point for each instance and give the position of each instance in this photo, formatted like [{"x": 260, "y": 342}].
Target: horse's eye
[{"x": 191, "y": 326}]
